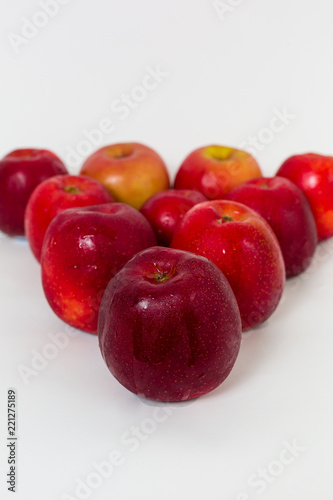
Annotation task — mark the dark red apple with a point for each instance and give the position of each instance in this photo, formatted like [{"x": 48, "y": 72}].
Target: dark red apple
[
  {"x": 215, "y": 170},
  {"x": 54, "y": 196},
  {"x": 283, "y": 205},
  {"x": 243, "y": 246},
  {"x": 165, "y": 209},
  {"x": 313, "y": 174},
  {"x": 169, "y": 326},
  {"x": 83, "y": 249},
  {"x": 20, "y": 172}
]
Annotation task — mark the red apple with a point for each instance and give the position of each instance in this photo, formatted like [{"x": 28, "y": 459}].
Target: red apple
[
  {"x": 215, "y": 170},
  {"x": 54, "y": 196},
  {"x": 169, "y": 326},
  {"x": 20, "y": 172},
  {"x": 245, "y": 249},
  {"x": 82, "y": 250},
  {"x": 285, "y": 208},
  {"x": 131, "y": 172},
  {"x": 165, "y": 209},
  {"x": 313, "y": 174}
]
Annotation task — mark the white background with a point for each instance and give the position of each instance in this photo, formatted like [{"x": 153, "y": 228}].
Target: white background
[{"x": 226, "y": 75}]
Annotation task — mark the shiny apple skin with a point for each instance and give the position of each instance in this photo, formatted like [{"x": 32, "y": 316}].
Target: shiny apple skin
[
  {"x": 283, "y": 205},
  {"x": 180, "y": 336},
  {"x": 20, "y": 172},
  {"x": 164, "y": 211},
  {"x": 55, "y": 195},
  {"x": 215, "y": 170},
  {"x": 244, "y": 248},
  {"x": 313, "y": 174},
  {"x": 132, "y": 172},
  {"x": 82, "y": 250}
]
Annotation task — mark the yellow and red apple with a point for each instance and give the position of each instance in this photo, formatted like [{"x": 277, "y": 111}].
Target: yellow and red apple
[
  {"x": 131, "y": 172},
  {"x": 215, "y": 170}
]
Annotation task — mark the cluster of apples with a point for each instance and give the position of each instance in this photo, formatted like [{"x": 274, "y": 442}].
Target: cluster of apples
[{"x": 168, "y": 278}]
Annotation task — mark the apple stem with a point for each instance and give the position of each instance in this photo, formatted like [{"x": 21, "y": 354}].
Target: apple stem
[
  {"x": 160, "y": 277},
  {"x": 72, "y": 189},
  {"x": 225, "y": 218}
]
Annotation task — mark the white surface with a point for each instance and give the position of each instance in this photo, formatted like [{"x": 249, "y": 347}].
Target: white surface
[{"x": 226, "y": 79}]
